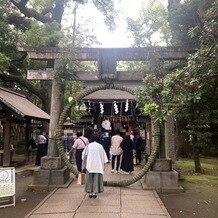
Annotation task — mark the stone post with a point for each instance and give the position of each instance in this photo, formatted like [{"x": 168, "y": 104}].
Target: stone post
[
  {"x": 161, "y": 176},
  {"x": 52, "y": 172},
  {"x": 170, "y": 138},
  {"x": 56, "y": 103}
]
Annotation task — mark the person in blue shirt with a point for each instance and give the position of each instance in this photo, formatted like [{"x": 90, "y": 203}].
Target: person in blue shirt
[{"x": 67, "y": 142}]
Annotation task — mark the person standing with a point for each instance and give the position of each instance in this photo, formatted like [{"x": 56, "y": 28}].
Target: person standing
[
  {"x": 79, "y": 145},
  {"x": 67, "y": 142},
  {"x": 139, "y": 148},
  {"x": 64, "y": 142},
  {"x": 41, "y": 151},
  {"x": 46, "y": 144},
  {"x": 95, "y": 157},
  {"x": 70, "y": 141},
  {"x": 106, "y": 142},
  {"x": 127, "y": 158},
  {"x": 32, "y": 144},
  {"x": 115, "y": 144}
]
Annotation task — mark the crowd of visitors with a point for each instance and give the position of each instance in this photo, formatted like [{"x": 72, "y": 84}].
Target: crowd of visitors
[
  {"x": 91, "y": 153},
  {"x": 104, "y": 148},
  {"x": 121, "y": 152}
]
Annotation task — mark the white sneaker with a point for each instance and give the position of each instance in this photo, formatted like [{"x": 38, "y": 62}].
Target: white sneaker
[
  {"x": 112, "y": 171},
  {"x": 116, "y": 171},
  {"x": 127, "y": 173}
]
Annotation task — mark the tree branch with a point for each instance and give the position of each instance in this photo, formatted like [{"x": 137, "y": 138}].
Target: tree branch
[
  {"x": 23, "y": 82},
  {"x": 47, "y": 10},
  {"x": 58, "y": 11},
  {"x": 20, "y": 22},
  {"x": 30, "y": 12},
  {"x": 23, "y": 3}
]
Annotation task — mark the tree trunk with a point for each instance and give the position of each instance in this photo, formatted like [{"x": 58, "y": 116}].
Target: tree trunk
[
  {"x": 182, "y": 140},
  {"x": 56, "y": 106},
  {"x": 198, "y": 168},
  {"x": 170, "y": 147},
  {"x": 162, "y": 153},
  {"x": 172, "y": 6}
]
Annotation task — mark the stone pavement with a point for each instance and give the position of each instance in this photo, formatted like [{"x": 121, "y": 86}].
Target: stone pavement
[{"x": 114, "y": 202}]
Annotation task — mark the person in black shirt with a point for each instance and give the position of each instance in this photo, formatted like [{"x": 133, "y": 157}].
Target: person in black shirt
[
  {"x": 138, "y": 147},
  {"x": 106, "y": 142}
]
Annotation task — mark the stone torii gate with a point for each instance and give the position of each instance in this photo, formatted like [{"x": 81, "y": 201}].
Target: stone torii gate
[{"x": 107, "y": 58}]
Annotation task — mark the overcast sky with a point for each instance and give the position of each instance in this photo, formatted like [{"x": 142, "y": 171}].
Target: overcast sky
[{"x": 117, "y": 38}]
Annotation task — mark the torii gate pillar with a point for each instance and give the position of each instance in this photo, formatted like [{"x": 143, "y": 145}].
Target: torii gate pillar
[
  {"x": 52, "y": 172},
  {"x": 162, "y": 177}
]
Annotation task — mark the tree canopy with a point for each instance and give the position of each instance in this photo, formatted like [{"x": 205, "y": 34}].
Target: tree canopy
[
  {"x": 189, "y": 92},
  {"x": 38, "y": 23},
  {"x": 151, "y": 27}
]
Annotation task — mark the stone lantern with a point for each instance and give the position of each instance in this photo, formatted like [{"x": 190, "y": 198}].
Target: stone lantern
[{"x": 68, "y": 127}]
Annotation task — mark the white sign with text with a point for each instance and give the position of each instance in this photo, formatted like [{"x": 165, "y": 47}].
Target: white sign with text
[{"x": 7, "y": 181}]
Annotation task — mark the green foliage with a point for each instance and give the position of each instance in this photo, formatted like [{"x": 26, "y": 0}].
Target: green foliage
[
  {"x": 8, "y": 50},
  {"x": 149, "y": 98},
  {"x": 152, "y": 27},
  {"x": 107, "y": 9},
  {"x": 83, "y": 35},
  {"x": 41, "y": 24},
  {"x": 150, "y": 109},
  {"x": 132, "y": 66},
  {"x": 4, "y": 62},
  {"x": 185, "y": 16},
  {"x": 40, "y": 5},
  {"x": 37, "y": 64},
  {"x": 192, "y": 92},
  {"x": 41, "y": 35},
  {"x": 67, "y": 66}
]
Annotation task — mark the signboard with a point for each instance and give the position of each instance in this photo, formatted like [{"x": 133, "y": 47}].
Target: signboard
[{"x": 7, "y": 182}]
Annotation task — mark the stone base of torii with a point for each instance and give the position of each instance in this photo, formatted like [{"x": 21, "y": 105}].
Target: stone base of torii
[
  {"x": 52, "y": 174},
  {"x": 162, "y": 178}
]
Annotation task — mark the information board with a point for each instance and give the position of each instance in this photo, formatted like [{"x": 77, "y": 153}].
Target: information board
[{"x": 7, "y": 181}]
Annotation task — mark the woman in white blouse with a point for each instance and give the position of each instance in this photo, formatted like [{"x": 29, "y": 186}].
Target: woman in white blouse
[{"x": 95, "y": 157}]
